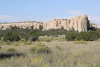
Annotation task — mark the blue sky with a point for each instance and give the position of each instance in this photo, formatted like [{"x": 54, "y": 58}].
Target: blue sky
[{"x": 45, "y": 10}]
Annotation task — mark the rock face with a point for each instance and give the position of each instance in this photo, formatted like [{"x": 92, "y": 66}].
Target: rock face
[
  {"x": 94, "y": 25},
  {"x": 79, "y": 23},
  {"x": 23, "y": 25}
]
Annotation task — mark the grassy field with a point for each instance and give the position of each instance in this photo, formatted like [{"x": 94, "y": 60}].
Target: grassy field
[{"x": 69, "y": 54}]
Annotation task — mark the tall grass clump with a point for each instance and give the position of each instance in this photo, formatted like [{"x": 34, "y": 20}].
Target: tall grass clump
[
  {"x": 45, "y": 66},
  {"x": 1, "y": 44},
  {"x": 8, "y": 43},
  {"x": 15, "y": 44},
  {"x": 27, "y": 43},
  {"x": 10, "y": 50},
  {"x": 98, "y": 40},
  {"x": 40, "y": 49},
  {"x": 58, "y": 47},
  {"x": 22, "y": 40}
]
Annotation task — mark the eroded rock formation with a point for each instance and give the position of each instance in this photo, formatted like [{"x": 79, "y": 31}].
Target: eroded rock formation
[{"x": 79, "y": 23}]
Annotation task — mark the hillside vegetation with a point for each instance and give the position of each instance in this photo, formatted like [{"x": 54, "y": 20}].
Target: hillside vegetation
[{"x": 52, "y": 48}]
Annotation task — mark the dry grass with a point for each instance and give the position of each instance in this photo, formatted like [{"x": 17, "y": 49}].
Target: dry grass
[{"x": 70, "y": 55}]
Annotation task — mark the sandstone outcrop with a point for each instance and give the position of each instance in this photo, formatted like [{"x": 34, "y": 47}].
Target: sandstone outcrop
[
  {"x": 94, "y": 25},
  {"x": 79, "y": 23},
  {"x": 23, "y": 25}
]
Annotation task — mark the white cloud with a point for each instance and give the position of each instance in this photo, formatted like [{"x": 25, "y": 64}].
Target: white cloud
[
  {"x": 74, "y": 13},
  {"x": 93, "y": 19},
  {"x": 7, "y": 18}
]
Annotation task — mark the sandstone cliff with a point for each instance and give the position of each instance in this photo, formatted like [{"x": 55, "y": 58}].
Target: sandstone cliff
[
  {"x": 23, "y": 25},
  {"x": 79, "y": 23}
]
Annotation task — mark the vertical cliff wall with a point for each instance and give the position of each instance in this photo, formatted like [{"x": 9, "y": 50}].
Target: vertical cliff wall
[{"x": 79, "y": 23}]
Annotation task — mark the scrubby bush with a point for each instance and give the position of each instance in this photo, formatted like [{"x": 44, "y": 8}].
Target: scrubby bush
[
  {"x": 40, "y": 49},
  {"x": 10, "y": 50},
  {"x": 80, "y": 42},
  {"x": 1, "y": 44},
  {"x": 56, "y": 35},
  {"x": 0, "y": 47},
  {"x": 45, "y": 66},
  {"x": 34, "y": 36},
  {"x": 22, "y": 40},
  {"x": 48, "y": 40},
  {"x": 8, "y": 43},
  {"x": 71, "y": 36},
  {"x": 40, "y": 43},
  {"x": 93, "y": 35},
  {"x": 11, "y": 37},
  {"x": 15, "y": 44},
  {"x": 26, "y": 38},
  {"x": 27, "y": 43},
  {"x": 15, "y": 37},
  {"x": 98, "y": 40},
  {"x": 48, "y": 35},
  {"x": 88, "y": 36},
  {"x": 82, "y": 35},
  {"x": 58, "y": 47}
]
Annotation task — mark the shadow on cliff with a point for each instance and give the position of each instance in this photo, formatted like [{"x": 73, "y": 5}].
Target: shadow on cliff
[{"x": 91, "y": 28}]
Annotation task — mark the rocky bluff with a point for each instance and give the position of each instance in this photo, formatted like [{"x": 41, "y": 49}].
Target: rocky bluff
[{"x": 78, "y": 23}]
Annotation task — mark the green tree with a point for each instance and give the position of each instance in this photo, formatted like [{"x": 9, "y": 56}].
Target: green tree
[
  {"x": 82, "y": 35},
  {"x": 7, "y": 36},
  {"x": 34, "y": 35},
  {"x": 40, "y": 27},
  {"x": 15, "y": 37},
  {"x": 32, "y": 27},
  {"x": 71, "y": 36},
  {"x": 62, "y": 27},
  {"x": 11, "y": 37}
]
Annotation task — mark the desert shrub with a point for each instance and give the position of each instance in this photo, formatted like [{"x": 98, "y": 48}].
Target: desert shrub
[
  {"x": 10, "y": 50},
  {"x": 33, "y": 36},
  {"x": 1, "y": 44},
  {"x": 60, "y": 39},
  {"x": 48, "y": 40},
  {"x": 80, "y": 42},
  {"x": 22, "y": 40},
  {"x": 71, "y": 36},
  {"x": 8, "y": 43},
  {"x": 45, "y": 66},
  {"x": 48, "y": 35},
  {"x": 98, "y": 40},
  {"x": 58, "y": 47},
  {"x": 33, "y": 49},
  {"x": 88, "y": 36},
  {"x": 40, "y": 49},
  {"x": 26, "y": 38},
  {"x": 15, "y": 44},
  {"x": 11, "y": 37},
  {"x": 15, "y": 37},
  {"x": 40, "y": 43},
  {"x": 82, "y": 35},
  {"x": 93, "y": 35},
  {"x": 0, "y": 47},
  {"x": 27, "y": 43},
  {"x": 56, "y": 35}
]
